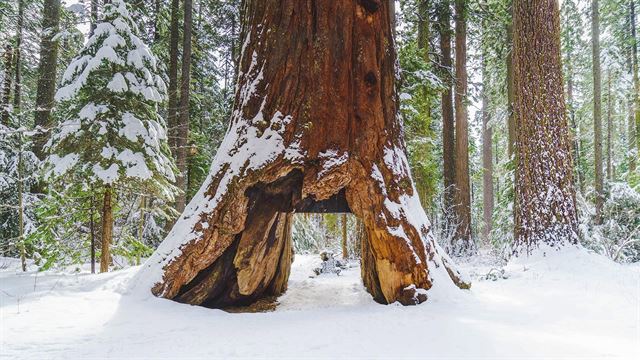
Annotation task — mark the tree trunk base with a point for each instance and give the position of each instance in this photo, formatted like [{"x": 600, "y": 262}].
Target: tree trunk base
[{"x": 314, "y": 129}]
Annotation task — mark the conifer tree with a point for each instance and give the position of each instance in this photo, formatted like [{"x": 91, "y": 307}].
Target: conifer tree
[{"x": 111, "y": 135}]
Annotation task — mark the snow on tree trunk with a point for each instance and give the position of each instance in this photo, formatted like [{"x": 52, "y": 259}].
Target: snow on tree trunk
[
  {"x": 314, "y": 127},
  {"x": 545, "y": 195}
]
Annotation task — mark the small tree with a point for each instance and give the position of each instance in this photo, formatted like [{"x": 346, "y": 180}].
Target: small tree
[{"x": 111, "y": 134}]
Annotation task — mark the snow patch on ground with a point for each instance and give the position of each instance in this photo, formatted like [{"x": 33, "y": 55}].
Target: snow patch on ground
[{"x": 568, "y": 304}]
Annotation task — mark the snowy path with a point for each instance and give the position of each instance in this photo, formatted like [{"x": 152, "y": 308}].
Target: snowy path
[{"x": 568, "y": 306}]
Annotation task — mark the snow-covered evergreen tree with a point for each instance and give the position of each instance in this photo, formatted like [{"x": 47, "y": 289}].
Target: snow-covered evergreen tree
[{"x": 111, "y": 134}]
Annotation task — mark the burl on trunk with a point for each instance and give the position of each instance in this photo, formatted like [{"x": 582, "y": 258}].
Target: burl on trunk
[{"x": 314, "y": 128}]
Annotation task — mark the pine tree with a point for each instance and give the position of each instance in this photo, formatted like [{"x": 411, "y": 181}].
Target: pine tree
[{"x": 112, "y": 135}]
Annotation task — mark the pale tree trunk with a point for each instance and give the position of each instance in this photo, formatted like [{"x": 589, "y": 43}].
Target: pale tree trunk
[
  {"x": 462, "y": 186},
  {"x": 634, "y": 138},
  {"x": 107, "y": 229},
  {"x": 46, "y": 73},
  {"x": 6, "y": 87},
  {"x": 314, "y": 128},
  {"x": 345, "y": 250},
  {"x": 182, "y": 141},
  {"x": 545, "y": 196},
  {"x": 20, "y": 176},
  {"x": 511, "y": 119},
  {"x": 448, "y": 140},
  {"x": 610, "y": 167},
  {"x": 487, "y": 158},
  {"x": 597, "y": 109},
  {"x": 17, "y": 86},
  {"x": 572, "y": 117}
]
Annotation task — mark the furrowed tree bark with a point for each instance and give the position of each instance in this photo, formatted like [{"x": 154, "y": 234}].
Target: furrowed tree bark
[
  {"x": 107, "y": 229},
  {"x": 46, "y": 73},
  {"x": 448, "y": 141},
  {"x": 545, "y": 195},
  {"x": 597, "y": 110},
  {"x": 182, "y": 140},
  {"x": 314, "y": 128},
  {"x": 462, "y": 186}
]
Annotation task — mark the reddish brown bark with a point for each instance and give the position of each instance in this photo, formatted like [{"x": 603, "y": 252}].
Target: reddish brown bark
[
  {"x": 462, "y": 181},
  {"x": 545, "y": 195},
  {"x": 182, "y": 140},
  {"x": 107, "y": 229},
  {"x": 314, "y": 127}
]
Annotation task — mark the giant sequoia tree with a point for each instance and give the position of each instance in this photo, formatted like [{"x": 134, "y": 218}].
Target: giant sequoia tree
[
  {"x": 314, "y": 128},
  {"x": 545, "y": 195}
]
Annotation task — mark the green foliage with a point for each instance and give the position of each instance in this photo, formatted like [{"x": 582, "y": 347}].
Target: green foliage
[{"x": 64, "y": 233}]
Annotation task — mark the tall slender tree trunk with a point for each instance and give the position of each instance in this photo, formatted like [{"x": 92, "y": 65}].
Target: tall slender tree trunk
[
  {"x": 511, "y": 124},
  {"x": 93, "y": 16},
  {"x": 545, "y": 196},
  {"x": 92, "y": 229},
  {"x": 462, "y": 186},
  {"x": 345, "y": 250},
  {"x": 572, "y": 118},
  {"x": 448, "y": 138},
  {"x": 597, "y": 109},
  {"x": 487, "y": 157},
  {"x": 6, "y": 86},
  {"x": 20, "y": 181},
  {"x": 17, "y": 86},
  {"x": 610, "y": 167},
  {"x": 182, "y": 142},
  {"x": 107, "y": 229},
  {"x": 46, "y": 73},
  {"x": 423, "y": 46},
  {"x": 635, "y": 138},
  {"x": 172, "y": 108}
]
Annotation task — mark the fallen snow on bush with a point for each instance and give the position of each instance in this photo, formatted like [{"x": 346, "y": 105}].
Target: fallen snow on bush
[{"x": 569, "y": 304}]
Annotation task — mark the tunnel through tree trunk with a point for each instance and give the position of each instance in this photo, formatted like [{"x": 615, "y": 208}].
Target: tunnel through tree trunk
[{"x": 314, "y": 128}]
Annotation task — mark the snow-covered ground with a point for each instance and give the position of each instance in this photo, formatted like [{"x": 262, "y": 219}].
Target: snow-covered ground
[{"x": 568, "y": 305}]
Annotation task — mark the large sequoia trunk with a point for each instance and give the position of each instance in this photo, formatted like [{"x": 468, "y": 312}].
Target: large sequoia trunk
[
  {"x": 545, "y": 211},
  {"x": 314, "y": 128}
]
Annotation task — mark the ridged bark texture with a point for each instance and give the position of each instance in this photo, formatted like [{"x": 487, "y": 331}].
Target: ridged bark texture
[
  {"x": 314, "y": 123},
  {"x": 462, "y": 181},
  {"x": 545, "y": 195}
]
